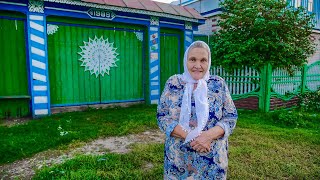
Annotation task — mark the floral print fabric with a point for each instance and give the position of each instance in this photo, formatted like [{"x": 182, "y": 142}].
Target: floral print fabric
[{"x": 180, "y": 160}]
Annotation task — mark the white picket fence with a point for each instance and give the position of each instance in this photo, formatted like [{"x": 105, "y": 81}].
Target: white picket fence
[
  {"x": 246, "y": 80},
  {"x": 241, "y": 81},
  {"x": 282, "y": 83},
  {"x": 313, "y": 77}
]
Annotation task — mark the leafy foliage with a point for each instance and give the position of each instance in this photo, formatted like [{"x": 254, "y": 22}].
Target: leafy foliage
[
  {"x": 310, "y": 101},
  {"x": 295, "y": 118},
  {"x": 259, "y": 32}
]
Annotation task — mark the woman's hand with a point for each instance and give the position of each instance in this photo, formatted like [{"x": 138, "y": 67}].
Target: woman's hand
[
  {"x": 179, "y": 132},
  {"x": 203, "y": 142}
]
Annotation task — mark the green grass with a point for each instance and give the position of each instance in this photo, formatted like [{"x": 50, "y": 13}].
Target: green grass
[
  {"x": 144, "y": 162},
  {"x": 260, "y": 147},
  {"x": 21, "y": 141}
]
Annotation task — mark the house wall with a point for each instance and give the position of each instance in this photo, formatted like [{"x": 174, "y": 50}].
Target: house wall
[
  {"x": 210, "y": 26},
  {"x": 55, "y": 65},
  {"x": 316, "y": 55}
]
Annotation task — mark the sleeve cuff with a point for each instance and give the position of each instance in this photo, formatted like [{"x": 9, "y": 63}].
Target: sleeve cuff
[
  {"x": 226, "y": 131},
  {"x": 170, "y": 128}
]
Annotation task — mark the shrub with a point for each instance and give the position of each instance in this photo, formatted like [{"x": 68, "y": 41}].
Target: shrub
[
  {"x": 310, "y": 101},
  {"x": 295, "y": 118}
]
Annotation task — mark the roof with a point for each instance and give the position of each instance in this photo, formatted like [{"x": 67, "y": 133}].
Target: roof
[{"x": 148, "y": 5}]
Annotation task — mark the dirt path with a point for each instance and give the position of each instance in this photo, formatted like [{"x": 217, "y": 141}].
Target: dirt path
[{"x": 24, "y": 169}]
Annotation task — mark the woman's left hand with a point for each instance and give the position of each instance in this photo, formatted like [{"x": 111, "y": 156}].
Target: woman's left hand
[{"x": 202, "y": 143}]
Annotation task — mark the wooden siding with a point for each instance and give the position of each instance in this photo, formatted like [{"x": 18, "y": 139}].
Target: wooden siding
[
  {"x": 14, "y": 94},
  {"x": 70, "y": 84},
  {"x": 170, "y": 56}
]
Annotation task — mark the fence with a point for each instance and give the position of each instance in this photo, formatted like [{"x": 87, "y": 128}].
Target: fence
[{"x": 269, "y": 88}]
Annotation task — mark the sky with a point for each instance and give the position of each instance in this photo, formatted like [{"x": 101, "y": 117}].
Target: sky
[{"x": 165, "y": 1}]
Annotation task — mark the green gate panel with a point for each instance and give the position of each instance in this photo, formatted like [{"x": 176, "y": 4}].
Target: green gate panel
[
  {"x": 170, "y": 56},
  {"x": 125, "y": 81},
  {"x": 70, "y": 84},
  {"x": 14, "y": 94}
]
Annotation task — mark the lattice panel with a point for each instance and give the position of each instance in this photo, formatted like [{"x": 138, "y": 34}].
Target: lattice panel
[
  {"x": 241, "y": 81},
  {"x": 282, "y": 83},
  {"x": 313, "y": 77}
]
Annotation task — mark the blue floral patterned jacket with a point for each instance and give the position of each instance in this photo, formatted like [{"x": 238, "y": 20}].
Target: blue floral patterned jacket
[{"x": 181, "y": 161}]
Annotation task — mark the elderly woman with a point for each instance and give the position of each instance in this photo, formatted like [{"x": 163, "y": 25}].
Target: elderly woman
[{"x": 197, "y": 115}]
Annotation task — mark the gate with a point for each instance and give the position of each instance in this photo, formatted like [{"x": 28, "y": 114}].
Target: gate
[
  {"x": 14, "y": 93},
  {"x": 171, "y": 54},
  {"x": 94, "y": 63}
]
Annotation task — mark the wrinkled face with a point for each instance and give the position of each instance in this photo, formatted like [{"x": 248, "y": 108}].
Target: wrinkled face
[{"x": 197, "y": 62}]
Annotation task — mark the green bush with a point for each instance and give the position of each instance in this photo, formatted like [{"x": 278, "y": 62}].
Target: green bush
[
  {"x": 310, "y": 101},
  {"x": 295, "y": 118}
]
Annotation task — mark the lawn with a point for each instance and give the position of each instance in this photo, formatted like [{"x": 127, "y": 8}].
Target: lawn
[
  {"x": 25, "y": 140},
  {"x": 260, "y": 148}
]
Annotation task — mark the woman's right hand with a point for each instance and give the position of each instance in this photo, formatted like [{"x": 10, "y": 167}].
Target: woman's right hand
[{"x": 179, "y": 132}]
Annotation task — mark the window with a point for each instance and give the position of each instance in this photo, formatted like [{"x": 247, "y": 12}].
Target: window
[
  {"x": 297, "y": 3},
  {"x": 310, "y": 5}
]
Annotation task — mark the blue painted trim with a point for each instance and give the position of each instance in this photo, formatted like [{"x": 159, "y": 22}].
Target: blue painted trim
[
  {"x": 16, "y": 1},
  {"x": 35, "y": 32},
  {"x": 39, "y": 71},
  {"x": 28, "y": 30},
  {"x": 11, "y": 7},
  {"x": 155, "y": 97},
  {"x": 12, "y": 18},
  {"x": 92, "y": 103},
  {"x": 40, "y": 93},
  {"x": 186, "y": 2},
  {"x": 154, "y": 63},
  {"x": 37, "y": 45},
  {"x": 84, "y": 15},
  {"x": 211, "y": 11},
  {"x": 188, "y": 35},
  {"x": 173, "y": 26},
  {"x": 201, "y": 21},
  {"x": 41, "y": 106}
]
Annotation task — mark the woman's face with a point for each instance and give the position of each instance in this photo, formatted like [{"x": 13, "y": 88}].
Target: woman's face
[{"x": 197, "y": 62}]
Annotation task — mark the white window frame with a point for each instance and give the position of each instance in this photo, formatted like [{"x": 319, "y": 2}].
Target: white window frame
[
  {"x": 297, "y": 3},
  {"x": 310, "y": 5}
]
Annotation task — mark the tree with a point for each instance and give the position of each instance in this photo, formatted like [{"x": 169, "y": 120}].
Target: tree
[{"x": 260, "y": 32}]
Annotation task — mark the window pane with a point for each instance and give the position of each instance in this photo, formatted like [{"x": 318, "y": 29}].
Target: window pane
[
  {"x": 310, "y": 5},
  {"x": 297, "y": 3}
]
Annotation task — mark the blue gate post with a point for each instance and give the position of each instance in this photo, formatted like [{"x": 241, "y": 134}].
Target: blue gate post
[
  {"x": 154, "y": 60},
  {"x": 38, "y": 59},
  {"x": 188, "y": 35}
]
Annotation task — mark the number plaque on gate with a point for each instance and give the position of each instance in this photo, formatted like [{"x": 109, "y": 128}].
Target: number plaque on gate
[{"x": 101, "y": 14}]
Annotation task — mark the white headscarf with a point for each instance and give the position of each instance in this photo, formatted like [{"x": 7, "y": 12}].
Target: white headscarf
[{"x": 200, "y": 96}]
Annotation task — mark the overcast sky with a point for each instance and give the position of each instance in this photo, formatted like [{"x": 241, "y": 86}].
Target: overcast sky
[{"x": 165, "y": 1}]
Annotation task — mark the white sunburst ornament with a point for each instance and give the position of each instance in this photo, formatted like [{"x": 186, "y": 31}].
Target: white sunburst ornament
[{"x": 98, "y": 56}]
